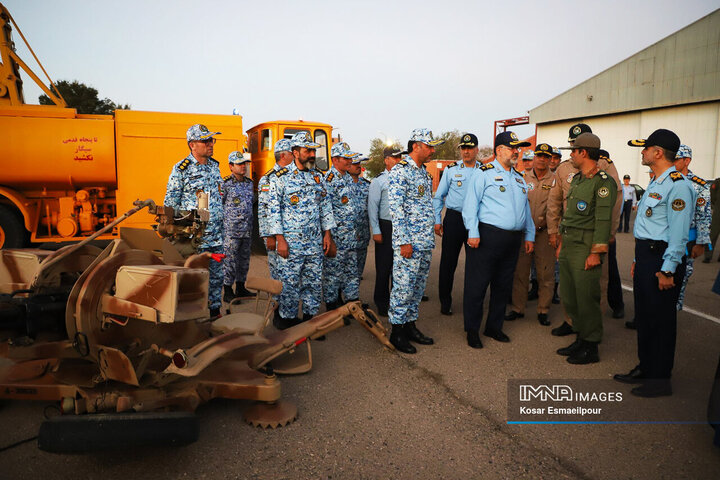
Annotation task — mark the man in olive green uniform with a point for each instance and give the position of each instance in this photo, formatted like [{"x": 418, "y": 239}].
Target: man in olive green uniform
[{"x": 585, "y": 235}]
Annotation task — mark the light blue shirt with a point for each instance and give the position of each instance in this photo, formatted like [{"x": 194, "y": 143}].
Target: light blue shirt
[
  {"x": 453, "y": 187},
  {"x": 498, "y": 197},
  {"x": 664, "y": 213},
  {"x": 378, "y": 206}
]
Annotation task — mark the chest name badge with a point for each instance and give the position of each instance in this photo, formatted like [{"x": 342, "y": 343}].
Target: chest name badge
[
  {"x": 498, "y": 179},
  {"x": 648, "y": 212},
  {"x": 459, "y": 183},
  {"x": 421, "y": 190},
  {"x": 458, "y": 175},
  {"x": 294, "y": 200},
  {"x": 502, "y": 189},
  {"x": 581, "y": 206},
  {"x": 344, "y": 199}
]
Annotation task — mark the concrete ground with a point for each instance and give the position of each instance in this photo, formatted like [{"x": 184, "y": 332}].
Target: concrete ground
[{"x": 365, "y": 412}]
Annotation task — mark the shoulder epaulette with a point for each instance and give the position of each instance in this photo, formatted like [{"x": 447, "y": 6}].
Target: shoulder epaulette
[
  {"x": 487, "y": 166},
  {"x": 267, "y": 174},
  {"x": 403, "y": 162},
  {"x": 698, "y": 180},
  {"x": 451, "y": 165},
  {"x": 602, "y": 174},
  {"x": 281, "y": 172},
  {"x": 213, "y": 160},
  {"x": 184, "y": 164},
  {"x": 330, "y": 176},
  {"x": 225, "y": 179},
  {"x": 675, "y": 176}
]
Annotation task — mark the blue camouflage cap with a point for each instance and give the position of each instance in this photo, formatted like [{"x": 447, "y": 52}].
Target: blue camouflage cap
[
  {"x": 303, "y": 139},
  {"x": 283, "y": 145},
  {"x": 199, "y": 132},
  {"x": 359, "y": 159},
  {"x": 342, "y": 149},
  {"x": 556, "y": 151},
  {"x": 683, "y": 152},
  {"x": 528, "y": 155},
  {"x": 425, "y": 135},
  {"x": 238, "y": 157}
]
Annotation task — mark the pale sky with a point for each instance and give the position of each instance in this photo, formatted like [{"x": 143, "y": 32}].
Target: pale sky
[{"x": 369, "y": 68}]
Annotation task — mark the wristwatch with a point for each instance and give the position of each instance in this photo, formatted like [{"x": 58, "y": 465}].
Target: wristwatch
[{"x": 668, "y": 274}]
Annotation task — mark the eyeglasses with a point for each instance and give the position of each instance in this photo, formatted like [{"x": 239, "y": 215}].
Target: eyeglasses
[{"x": 208, "y": 141}]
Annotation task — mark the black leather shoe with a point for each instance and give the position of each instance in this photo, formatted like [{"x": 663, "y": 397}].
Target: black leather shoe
[
  {"x": 562, "y": 330},
  {"x": 587, "y": 353},
  {"x": 399, "y": 339},
  {"x": 619, "y": 313},
  {"x": 281, "y": 323},
  {"x": 214, "y": 312},
  {"x": 446, "y": 311},
  {"x": 473, "y": 340},
  {"x": 533, "y": 293},
  {"x": 567, "y": 351},
  {"x": 633, "y": 376},
  {"x": 512, "y": 315},
  {"x": 241, "y": 291},
  {"x": 543, "y": 320},
  {"x": 556, "y": 298},
  {"x": 331, "y": 305},
  {"x": 228, "y": 294},
  {"x": 425, "y": 298},
  {"x": 652, "y": 389},
  {"x": 497, "y": 335},
  {"x": 415, "y": 335},
  {"x": 631, "y": 324},
  {"x": 383, "y": 312}
]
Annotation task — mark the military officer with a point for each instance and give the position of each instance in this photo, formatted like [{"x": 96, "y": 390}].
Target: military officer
[
  {"x": 300, "y": 217},
  {"x": 341, "y": 272},
  {"x": 661, "y": 234},
  {"x": 497, "y": 216},
  {"x": 585, "y": 229},
  {"x": 555, "y": 159},
  {"x": 539, "y": 180},
  {"x": 199, "y": 172},
  {"x": 699, "y": 236},
  {"x": 361, "y": 189},
  {"x": 237, "y": 198},
  {"x": 283, "y": 158},
  {"x": 381, "y": 227},
  {"x": 410, "y": 202},
  {"x": 450, "y": 194}
]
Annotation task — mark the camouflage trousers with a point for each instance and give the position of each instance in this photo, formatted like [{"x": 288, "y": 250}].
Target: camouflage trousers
[
  {"x": 272, "y": 262},
  {"x": 237, "y": 260},
  {"x": 341, "y": 276},
  {"x": 301, "y": 276},
  {"x": 216, "y": 277},
  {"x": 361, "y": 257},
  {"x": 689, "y": 268},
  {"x": 408, "y": 284}
]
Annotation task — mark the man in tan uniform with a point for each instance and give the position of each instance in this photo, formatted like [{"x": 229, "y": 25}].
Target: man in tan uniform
[{"x": 540, "y": 181}]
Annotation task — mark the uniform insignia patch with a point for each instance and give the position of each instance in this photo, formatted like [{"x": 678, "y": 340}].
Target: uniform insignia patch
[
  {"x": 330, "y": 177},
  {"x": 655, "y": 195},
  {"x": 698, "y": 180},
  {"x": 281, "y": 172},
  {"x": 603, "y": 175},
  {"x": 487, "y": 166},
  {"x": 581, "y": 206},
  {"x": 294, "y": 200},
  {"x": 576, "y": 131},
  {"x": 466, "y": 138},
  {"x": 459, "y": 183},
  {"x": 452, "y": 165},
  {"x": 700, "y": 202},
  {"x": 236, "y": 201},
  {"x": 344, "y": 199},
  {"x": 265, "y": 187},
  {"x": 316, "y": 178},
  {"x": 421, "y": 190},
  {"x": 678, "y": 204},
  {"x": 184, "y": 164},
  {"x": 570, "y": 177},
  {"x": 531, "y": 186},
  {"x": 603, "y": 192},
  {"x": 403, "y": 162},
  {"x": 543, "y": 147},
  {"x": 519, "y": 181},
  {"x": 648, "y": 212},
  {"x": 524, "y": 191},
  {"x": 675, "y": 176},
  {"x": 225, "y": 179},
  {"x": 547, "y": 187},
  {"x": 502, "y": 188},
  {"x": 513, "y": 136}
]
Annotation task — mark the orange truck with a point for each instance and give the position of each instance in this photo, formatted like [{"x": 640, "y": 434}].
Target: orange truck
[{"x": 64, "y": 175}]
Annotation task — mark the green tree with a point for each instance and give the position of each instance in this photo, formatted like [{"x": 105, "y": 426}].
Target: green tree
[
  {"x": 448, "y": 150},
  {"x": 376, "y": 164},
  {"x": 83, "y": 98}
]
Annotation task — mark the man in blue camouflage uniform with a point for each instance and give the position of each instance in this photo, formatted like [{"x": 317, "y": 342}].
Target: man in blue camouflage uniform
[
  {"x": 699, "y": 236},
  {"x": 237, "y": 191},
  {"x": 341, "y": 276},
  {"x": 410, "y": 201},
  {"x": 283, "y": 158},
  {"x": 361, "y": 189},
  {"x": 199, "y": 172},
  {"x": 300, "y": 217}
]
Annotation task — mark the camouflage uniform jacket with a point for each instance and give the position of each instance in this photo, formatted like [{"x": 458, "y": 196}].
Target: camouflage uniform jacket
[
  {"x": 299, "y": 209},
  {"x": 361, "y": 189},
  {"x": 263, "y": 190},
  {"x": 702, "y": 217},
  {"x": 411, "y": 209},
  {"x": 340, "y": 191},
  {"x": 237, "y": 207},
  {"x": 188, "y": 177}
]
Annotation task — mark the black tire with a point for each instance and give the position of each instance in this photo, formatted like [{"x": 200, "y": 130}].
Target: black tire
[
  {"x": 12, "y": 231},
  {"x": 110, "y": 431}
]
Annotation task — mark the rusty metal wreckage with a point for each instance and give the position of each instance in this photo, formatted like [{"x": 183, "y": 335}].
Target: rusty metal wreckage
[{"x": 127, "y": 329}]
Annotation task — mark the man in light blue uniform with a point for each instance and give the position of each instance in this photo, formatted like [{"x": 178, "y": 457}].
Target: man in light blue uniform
[
  {"x": 340, "y": 272},
  {"x": 300, "y": 217},
  {"x": 497, "y": 215},
  {"x": 361, "y": 190},
  {"x": 450, "y": 194},
  {"x": 381, "y": 226},
  {"x": 283, "y": 158},
  {"x": 199, "y": 172},
  {"x": 410, "y": 201},
  {"x": 661, "y": 234},
  {"x": 237, "y": 191},
  {"x": 699, "y": 236}
]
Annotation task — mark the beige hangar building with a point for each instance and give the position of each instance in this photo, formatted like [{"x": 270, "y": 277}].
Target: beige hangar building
[{"x": 672, "y": 84}]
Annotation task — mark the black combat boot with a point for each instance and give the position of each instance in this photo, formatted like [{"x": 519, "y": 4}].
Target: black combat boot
[
  {"x": 228, "y": 295},
  {"x": 241, "y": 291},
  {"x": 282, "y": 323},
  {"x": 562, "y": 330},
  {"x": 331, "y": 305},
  {"x": 533, "y": 293},
  {"x": 587, "y": 353},
  {"x": 415, "y": 335},
  {"x": 570, "y": 348},
  {"x": 399, "y": 339},
  {"x": 556, "y": 297}
]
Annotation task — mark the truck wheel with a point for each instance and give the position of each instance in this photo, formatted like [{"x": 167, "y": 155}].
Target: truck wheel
[{"x": 12, "y": 232}]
